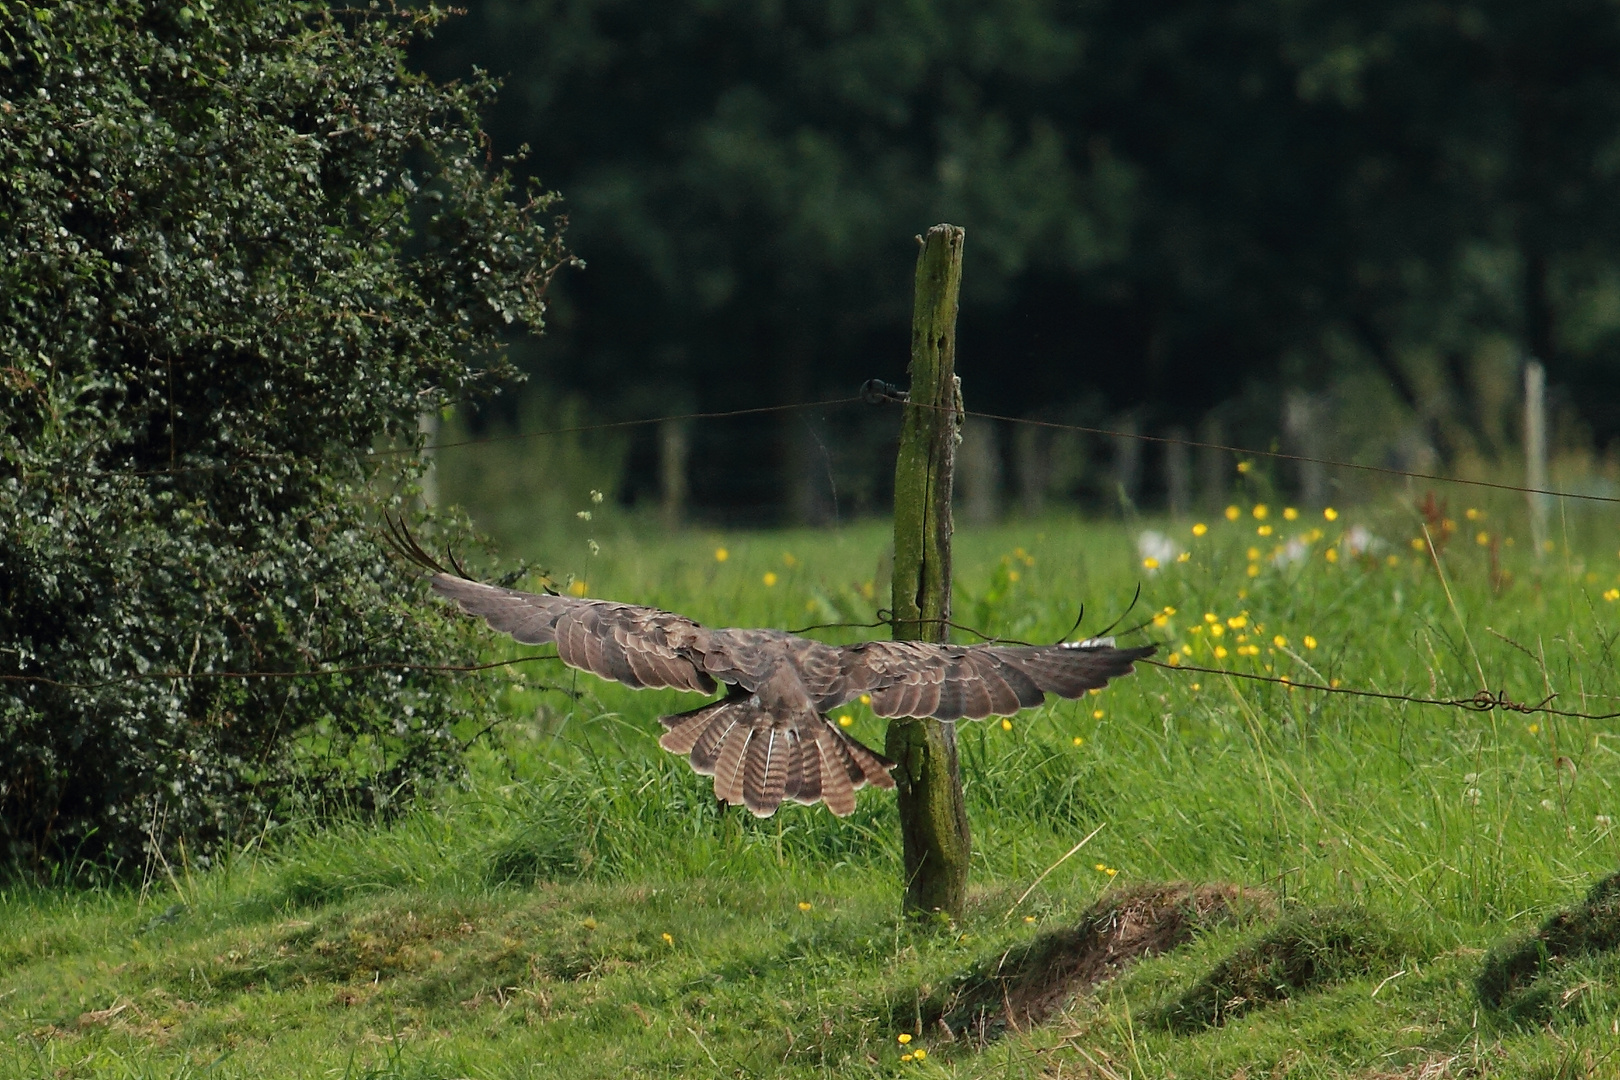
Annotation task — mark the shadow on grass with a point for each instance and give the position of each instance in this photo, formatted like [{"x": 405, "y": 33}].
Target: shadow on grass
[
  {"x": 1521, "y": 977},
  {"x": 1306, "y": 951},
  {"x": 1023, "y": 986}
]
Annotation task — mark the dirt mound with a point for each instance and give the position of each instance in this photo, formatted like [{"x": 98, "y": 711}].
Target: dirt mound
[
  {"x": 1025, "y": 985},
  {"x": 1305, "y": 951},
  {"x": 1511, "y": 978}
]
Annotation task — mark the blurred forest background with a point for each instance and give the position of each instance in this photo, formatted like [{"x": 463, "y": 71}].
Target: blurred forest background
[{"x": 1333, "y": 229}]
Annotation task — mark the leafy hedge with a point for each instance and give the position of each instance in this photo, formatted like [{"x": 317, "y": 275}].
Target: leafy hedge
[{"x": 241, "y": 248}]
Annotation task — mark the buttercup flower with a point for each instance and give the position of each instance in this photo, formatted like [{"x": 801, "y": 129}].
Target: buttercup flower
[{"x": 721, "y": 554}]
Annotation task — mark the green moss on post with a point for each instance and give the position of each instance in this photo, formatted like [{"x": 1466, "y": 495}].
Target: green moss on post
[{"x": 933, "y": 817}]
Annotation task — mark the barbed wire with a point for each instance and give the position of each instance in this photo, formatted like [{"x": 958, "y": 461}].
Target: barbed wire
[
  {"x": 1481, "y": 701},
  {"x": 873, "y": 392}
]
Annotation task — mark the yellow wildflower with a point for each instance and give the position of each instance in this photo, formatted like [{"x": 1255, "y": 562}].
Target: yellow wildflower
[
  {"x": 1535, "y": 729},
  {"x": 1612, "y": 595},
  {"x": 1254, "y": 570},
  {"x": 1238, "y": 622},
  {"x": 1419, "y": 544},
  {"x": 804, "y": 905},
  {"x": 844, "y": 720},
  {"x": 1331, "y": 554},
  {"x": 789, "y": 560},
  {"x": 1264, "y": 530},
  {"x": 1290, "y": 514},
  {"x": 1149, "y": 563},
  {"x": 577, "y": 589},
  {"x": 1331, "y": 514},
  {"x": 668, "y": 940},
  {"x": 1260, "y": 511},
  {"x": 769, "y": 579},
  {"x": 1174, "y": 659},
  {"x": 1474, "y": 515},
  {"x": 1216, "y": 629},
  {"x": 1254, "y": 554},
  {"x": 589, "y": 924},
  {"x": 1482, "y": 538},
  {"x": 1310, "y": 642},
  {"x": 1233, "y": 513},
  {"x": 1078, "y": 741},
  {"x": 1245, "y": 466},
  {"x": 1280, "y": 641},
  {"x": 721, "y": 554},
  {"x": 1096, "y": 714},
  {"x": 1006, "y": 724},
  {"x": 904, "y": 1037},
  {"x": 1185, "y": 556},
  {"x": 1200, "y": 529},
  {"x": 1110, "y": 871},
  {"x": 922, "y": 1055},
  {"x": 1220, "y": 652}
]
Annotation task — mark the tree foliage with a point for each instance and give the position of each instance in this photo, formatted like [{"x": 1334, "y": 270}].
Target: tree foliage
[
  {"x": 241, "y": 248},
  {"x": 1167, "y": 206}
]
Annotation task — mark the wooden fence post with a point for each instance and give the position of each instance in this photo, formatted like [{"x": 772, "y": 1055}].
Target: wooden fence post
[
  {"x": 1535, "y": 451},
  {"x": 933, "y": 816}
]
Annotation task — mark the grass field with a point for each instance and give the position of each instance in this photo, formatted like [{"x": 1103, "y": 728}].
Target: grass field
[{"x": 579, "y": 907}]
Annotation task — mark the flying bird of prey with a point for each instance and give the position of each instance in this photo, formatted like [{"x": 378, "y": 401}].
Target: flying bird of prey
[{"x": 770, "y": 738}]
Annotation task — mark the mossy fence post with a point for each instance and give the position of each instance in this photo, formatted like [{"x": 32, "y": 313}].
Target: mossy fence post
[{"x": 933, "y": 816}]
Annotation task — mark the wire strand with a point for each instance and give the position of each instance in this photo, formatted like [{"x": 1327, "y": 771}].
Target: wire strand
[{"x": 1482, "y": 701}]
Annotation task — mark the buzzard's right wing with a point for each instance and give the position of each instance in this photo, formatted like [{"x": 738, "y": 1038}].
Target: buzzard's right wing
[
  {"x": 641, "y": 647},
  {"x": 951, "y": 682}
]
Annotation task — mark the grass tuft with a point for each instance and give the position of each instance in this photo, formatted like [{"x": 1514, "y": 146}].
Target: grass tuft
[
  {"x": 1309, "y": 950},
  {"x": 1537, "y": 974}
]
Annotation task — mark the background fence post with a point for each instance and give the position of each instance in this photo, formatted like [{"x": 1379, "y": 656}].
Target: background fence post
[
  {"x": 1535, "y": 450},
  {"x": 933, "y": 817}
]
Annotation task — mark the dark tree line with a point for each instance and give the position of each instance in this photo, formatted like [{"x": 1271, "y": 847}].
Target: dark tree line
[{"x": 1172, "y": 210}]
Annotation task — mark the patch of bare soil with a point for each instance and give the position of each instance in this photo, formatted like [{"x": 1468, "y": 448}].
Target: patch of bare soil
[{"x": 1023, "y": 986}]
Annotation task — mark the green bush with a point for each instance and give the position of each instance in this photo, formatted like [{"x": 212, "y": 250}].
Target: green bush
[{"x": 242, "y": 248}]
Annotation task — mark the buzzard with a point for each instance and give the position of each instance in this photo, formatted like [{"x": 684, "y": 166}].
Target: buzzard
[{"x": 770, "y": 738}]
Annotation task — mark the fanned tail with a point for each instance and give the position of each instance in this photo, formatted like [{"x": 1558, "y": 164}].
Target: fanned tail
[{"x": 758, "y": 760}]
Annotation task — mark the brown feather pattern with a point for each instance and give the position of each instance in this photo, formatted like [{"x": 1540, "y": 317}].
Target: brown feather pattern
[{"x": 770, "y": 739}]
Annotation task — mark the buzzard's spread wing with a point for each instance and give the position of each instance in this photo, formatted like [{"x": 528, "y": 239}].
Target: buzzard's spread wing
[
  {"x": 952, "y": 682},
  {"x": 639, "y": 646},
  {"x": 770, "y": 739}
]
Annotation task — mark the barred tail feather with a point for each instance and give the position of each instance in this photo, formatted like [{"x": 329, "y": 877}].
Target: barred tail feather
[{"x": 758, "y": 760}]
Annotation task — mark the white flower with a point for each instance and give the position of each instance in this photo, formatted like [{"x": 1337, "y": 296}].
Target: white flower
[
  {"x": 1360, "y": 541},
  {"x": 1157, "y": 547},
  {"x": 1290, "y": 553}
]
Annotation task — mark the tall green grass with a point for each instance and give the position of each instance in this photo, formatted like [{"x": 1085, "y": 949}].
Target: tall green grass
[{"x": 514, "y": 925}]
